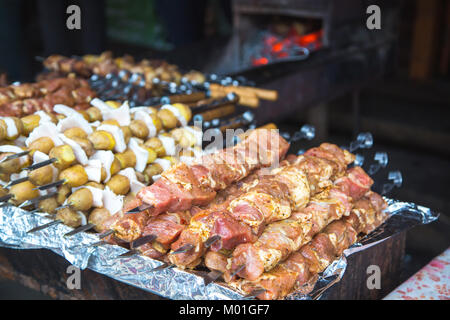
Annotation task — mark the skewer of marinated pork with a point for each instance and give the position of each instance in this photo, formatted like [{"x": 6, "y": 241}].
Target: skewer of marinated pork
[
  {"x": 282, "y": 238},
  {"x": 312, "y": 258},
  {"x": 163, "y": 230},
  {"x": 182, "y": 186},
  {"x": 274, "y": 197}
]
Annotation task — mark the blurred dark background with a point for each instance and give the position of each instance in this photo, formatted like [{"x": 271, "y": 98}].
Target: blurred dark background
[{"x": 406, "y": 105}]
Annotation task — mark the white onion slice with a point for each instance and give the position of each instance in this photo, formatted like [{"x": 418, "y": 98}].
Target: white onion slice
[
  {"x": 10, "y": 148},
  {"x": 94, "y": 170},
  {"x": 101, "y": 105},
  {"x": 112, "y": 202},
  {"x": 140, "y": 153},
  {"x": 74, "y": 121},
  {"x": 47, "y": 129},
  {"x": 121, "y": 114},
  {"x": 44, "y": 117},
  {"x": 65, "y": 110},
  {"x": 164, "y": 163},
  {"x": 97, "y": 195},
  {"x": 135, "y": 184},
  {"x": 11, "y": 128},
  {"x": 142, "y": 108},
  {"x": 198, "y": 134},
  {"x": 80, "y": 155},
  {"x": 144, "y": 116},
  {"x": 82, "y": 217},
  {"x": 106, "y": 158},
  {"x": 168, "y": 144}
]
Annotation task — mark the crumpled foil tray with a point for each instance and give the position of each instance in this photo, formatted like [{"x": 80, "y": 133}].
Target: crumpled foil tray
[{"x": 174, "y": 283}]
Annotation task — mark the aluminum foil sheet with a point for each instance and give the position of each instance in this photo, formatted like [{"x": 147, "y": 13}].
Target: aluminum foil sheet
[{"x": 174, "y": 283}]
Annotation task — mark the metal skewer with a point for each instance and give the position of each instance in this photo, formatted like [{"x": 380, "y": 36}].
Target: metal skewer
[
  {"x": 86, "y": 227},
  {"x": 50, "y": 185},
  {"x": 141, "y": 241},
  {"x": 363, "y": 141},
  {"x": 44, "y": 226},
  {"x": 14, "y": 182},
  {"x": 140, "y": 208},
  {"x": 397, "y": 180},
  {"x": 15, "y": 156},
  {"x": 183, "y": 249},
  {"x": 40, "y": 164},
  {"x": 381, "y": 159}
]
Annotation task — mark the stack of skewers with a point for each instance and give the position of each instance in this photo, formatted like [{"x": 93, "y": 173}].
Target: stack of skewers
[
  {"x": 260, "y": 229},
  {"x": 263, "y": 222},
  {"x": 84, "y": 165},
  {"x": 17, "y": 100},
  {"x": 145, "y": 82}
]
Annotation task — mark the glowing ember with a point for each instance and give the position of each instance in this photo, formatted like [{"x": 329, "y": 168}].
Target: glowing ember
[{"x": 274, "y": 47}]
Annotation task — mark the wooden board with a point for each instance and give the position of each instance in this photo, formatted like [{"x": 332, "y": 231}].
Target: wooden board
[{"x": 45, "y": 271}]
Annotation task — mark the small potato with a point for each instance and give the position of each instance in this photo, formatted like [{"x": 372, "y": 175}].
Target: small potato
[
  {"x": 3, "y": 192},
  {"x": 86, "y": 145},
  {"x": 152, "y": 170},
  {"x": 43, "y": 144},
  {"x": 84, "y": 114},
  {"x": 75, "y": 176},
  {"x": 23, "y": 191},
  {"x": 172, "y": 160},
  {"x": 98, "y": 218},
  {"x": 29, "y": 123},
  {"x": 10, "y": 166},
  {"x": 140, "y": 176},
  {"x": 95, "y": 185},
  {"x": 127, "y": 159},
  {"x": 94, "y": 114},
  {"x": 115, "y": 166},
  {"x": 126, "y": 133},
  {"x": 102, "y": 140},
  {"x": 151, "y": 155},
  {"x": 156, "y": 121},
  {"x": 184, "y": 110},
  {"x": 113, "y": 104},
  {"x": 168, "y": 119},
  {"x": 3, "y": 130},
  {"x": 81, "y": 199},
  {"x": 156, "y": 144},
  {"x": 48, "y": 205},
  {"x": 183, "y": 137},
  {"x": 64, "y": 155},
  {"x": 5, "y": 176},
  {"x": 112, "y": 122},
  {"x": 63, "y": 193},
  {"x": 186, "y": 153},
  {"x": 69, "y": 217},
  {"x": 41, "y": 176},
  {"x": 75, "y": 133},
  {"x": 119, "y": 184},
  {"x": 139, "y": 129}
]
